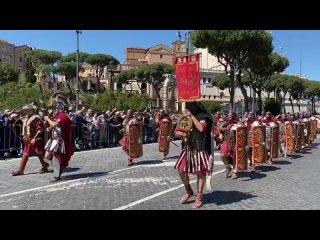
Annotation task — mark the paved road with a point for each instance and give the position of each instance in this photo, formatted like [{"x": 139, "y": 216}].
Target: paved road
[{"x": 100, "y": 179}]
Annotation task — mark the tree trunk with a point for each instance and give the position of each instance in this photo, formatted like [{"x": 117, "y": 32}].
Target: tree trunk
[
  {"x": 290, "y": 99},
  {"x": 298, "y": 104},
  {"x": 69, "y": 85},
  {"x": 41, "y": 90},
  {"x": 159, "y": 102},
  {"x": 232, "y": 99},
  {"x": 312, "y": 105},
  {"x": 245, "y": 96},
  {"x": 282, "y": 100},
  {"x": 98, "y": 85},
  {"x": 232, "y": 91},
  {"x": 259, "y": 101}
]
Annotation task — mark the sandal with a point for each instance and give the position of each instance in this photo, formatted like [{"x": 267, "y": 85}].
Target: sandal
[
  {"x": 17, "y": 173},
  {"x": 130, "y": 162},
  {"x": 234, "y": 176},
  {"x": 228, "y": 171},
  {"x": 43, "y": 170},
  {"x": 186, "y": 197},
  {"x": 198, "y": 203},
  {"x": 55, "y": 179}
]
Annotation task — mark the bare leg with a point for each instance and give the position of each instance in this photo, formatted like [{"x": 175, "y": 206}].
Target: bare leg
[
  {"x": 225, "y": 160},
  {"x": 44, "y": 165},
  {"x": 164, "y": 155},
  {"x": 22, "y": 166},
  {"x": 130, "y": 160},
  {"x": 186, "y": 181},
  {"x": 201, "y": 179},
  {"x": 57, "y": 170}
]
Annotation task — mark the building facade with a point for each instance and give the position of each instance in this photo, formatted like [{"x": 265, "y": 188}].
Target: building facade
[
  {"x": 7, "y": 52},
  {"x": 13, "y": 55}
]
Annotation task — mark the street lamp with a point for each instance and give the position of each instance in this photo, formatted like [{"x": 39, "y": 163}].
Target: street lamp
[{"x": 77, "y": 70}]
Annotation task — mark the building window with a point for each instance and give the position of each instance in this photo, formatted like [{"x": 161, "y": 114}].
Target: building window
[
  {"x": 9, "y": 57},
  {"x": 161, "y": 56},
  {"x": 209, "y": 80},
  {"x": 19, "y": 70},
  {"x": 20, "y": 59},
  {"x": 3, "y": 47},
  {"x": 10, "y": 49},
  {"x": 204, "y": 80}
]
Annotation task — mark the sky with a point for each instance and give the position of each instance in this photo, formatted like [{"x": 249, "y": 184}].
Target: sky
[{"x": 301, "y": 47}]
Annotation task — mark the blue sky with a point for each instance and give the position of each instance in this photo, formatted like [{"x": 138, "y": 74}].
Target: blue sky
[{"x": 299, "y": 46}]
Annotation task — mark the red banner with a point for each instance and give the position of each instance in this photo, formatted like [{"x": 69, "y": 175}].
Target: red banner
[{"x": 188, "y": 77}]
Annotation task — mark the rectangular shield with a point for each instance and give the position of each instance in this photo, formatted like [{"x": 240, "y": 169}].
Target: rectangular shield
[
  {"x": 289, "y": 137},
  {"x": 302, "y": 129},
  {"x": 135, "y": 140},
  {"x": 315, "y": 129},
  {"x": 275, "y": 142},
  {"x": 308, "y": 131},
  {"x": 165, "y": 136},
  {"x": 240, "y": 148},
  {"x": 259, "y": 144}
]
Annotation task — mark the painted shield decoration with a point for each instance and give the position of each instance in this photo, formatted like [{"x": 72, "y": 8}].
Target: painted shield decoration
[
  {"x": 241, "y": 142},
  {"x": 289, "y": 133},
  {"x": 135, "y": 140},
  {"x": 275, "y": 142},
  {"x": 165, "y": 136},
  {"x": 259, "y": 144}
]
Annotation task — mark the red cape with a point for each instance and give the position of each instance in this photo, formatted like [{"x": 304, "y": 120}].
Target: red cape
[{"x": 66, "y": 130}]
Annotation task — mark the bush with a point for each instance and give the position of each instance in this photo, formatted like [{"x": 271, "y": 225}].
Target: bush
[
  {"x": 8, "y": 74},
  {"x": 273, "y": 106},
  {"x": 13, "y": 95},
  {"x": 120, "y": 100},
  {"x": 213, "y": 106}
]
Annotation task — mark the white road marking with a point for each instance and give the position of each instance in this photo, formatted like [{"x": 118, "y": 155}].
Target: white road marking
[
  {"x": 39, "y": 188},
  {"x": 71, "y": 182},
  {"x": 172, "y": 163},
  {"x": 157, "y": 194}
]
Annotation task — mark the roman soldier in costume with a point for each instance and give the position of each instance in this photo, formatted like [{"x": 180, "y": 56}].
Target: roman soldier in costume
[
  {"x": 59, "y": 145},
  {"x": 282, "y": 133},
  {"x": 197, "y": 153},
  {"x": 268, "y": 121},
  {"x": 164, "y": 139},
  {"x": 250, "y": 123},
  {"x": 33, "y": 138},
  {"x": 134, "y": 147},
  {"x": 217, "y": 119},
  {"x": 227, "y": 152},
  {"x": 297, "y": 131},
  {"x": 306, "y": 121}
]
